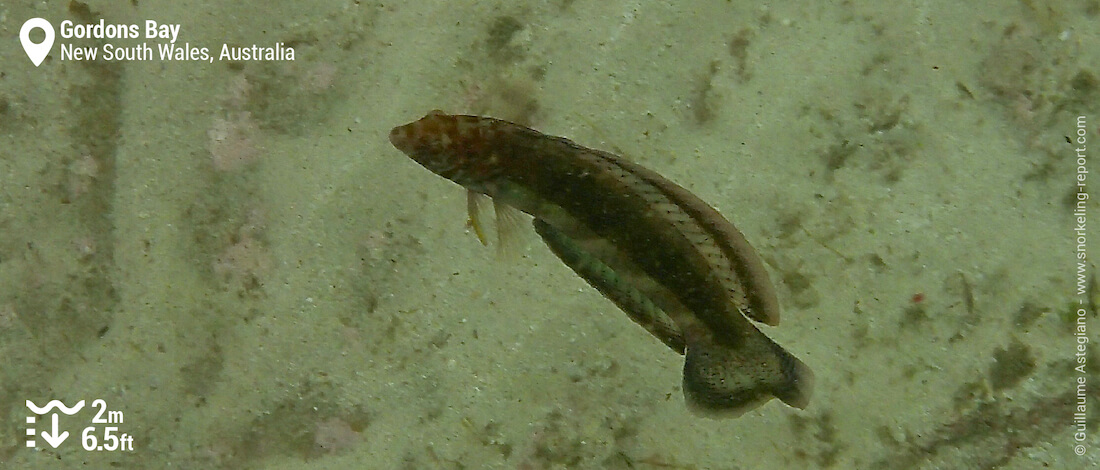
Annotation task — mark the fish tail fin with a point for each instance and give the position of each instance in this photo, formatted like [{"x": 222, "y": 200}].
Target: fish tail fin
[{"x": 726, "y": 380}]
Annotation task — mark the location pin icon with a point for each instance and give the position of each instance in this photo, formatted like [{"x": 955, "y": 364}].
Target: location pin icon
[{"x": 37, "y": 52}]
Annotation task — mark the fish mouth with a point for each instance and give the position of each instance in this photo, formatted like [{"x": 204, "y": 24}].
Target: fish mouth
[{"x": 399, "y": 137}]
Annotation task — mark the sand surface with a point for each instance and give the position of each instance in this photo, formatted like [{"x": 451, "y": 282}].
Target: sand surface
[{"x": 232, "y": 254}]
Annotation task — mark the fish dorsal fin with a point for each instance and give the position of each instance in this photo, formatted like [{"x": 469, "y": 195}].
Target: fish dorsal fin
[{"x": 726, "y": 250}]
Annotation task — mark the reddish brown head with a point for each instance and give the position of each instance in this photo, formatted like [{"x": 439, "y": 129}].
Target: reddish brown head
[{"x": 453, "y": 146}]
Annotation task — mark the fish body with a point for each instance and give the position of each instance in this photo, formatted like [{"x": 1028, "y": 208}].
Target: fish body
[{"x": 665, "y": 257}]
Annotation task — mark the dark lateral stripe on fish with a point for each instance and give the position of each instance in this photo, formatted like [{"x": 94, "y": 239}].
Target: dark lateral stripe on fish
[
  {"x": 618, "y": 206},
  {"x": 606, "y": 280},
  {"x": 724, "y": 247}
]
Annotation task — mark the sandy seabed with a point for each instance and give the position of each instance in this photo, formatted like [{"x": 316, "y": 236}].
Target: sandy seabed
[{"x": 231, "y": 254}]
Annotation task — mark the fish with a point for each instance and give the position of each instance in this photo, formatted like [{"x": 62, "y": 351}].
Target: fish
[{"x": 667, "y": 259}]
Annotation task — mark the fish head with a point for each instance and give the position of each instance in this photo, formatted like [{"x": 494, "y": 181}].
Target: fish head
[{"x": 456, "y": 147}]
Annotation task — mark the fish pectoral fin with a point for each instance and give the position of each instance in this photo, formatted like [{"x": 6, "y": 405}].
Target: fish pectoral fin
[
  {"x": 507, "y": 220},
  {"x": 475, "y": 202},
  {"x": 510, "y": 226},
  {"x": 723, "y": 380}
]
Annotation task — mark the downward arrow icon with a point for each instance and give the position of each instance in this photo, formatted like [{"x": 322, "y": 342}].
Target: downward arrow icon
[{"x": 55, "y": 439}]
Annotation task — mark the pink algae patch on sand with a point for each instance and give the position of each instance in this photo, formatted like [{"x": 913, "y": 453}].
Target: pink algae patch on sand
[
  {"x": 243, "y": 264},
  {"x": 233, "y": 142},
  {"x": 335, "y": 435}
]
